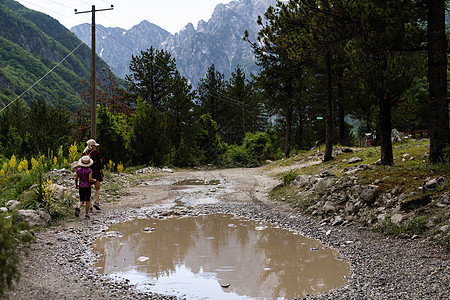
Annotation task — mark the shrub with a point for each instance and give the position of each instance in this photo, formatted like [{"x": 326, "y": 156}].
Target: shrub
[
  {"x": 416, "y": 225},
  {"x": 237, "y": 156},
  {"x": 413, "y": 226},
  {"x": 289, "y": 177},
  {"x": 9, "y": 257}
]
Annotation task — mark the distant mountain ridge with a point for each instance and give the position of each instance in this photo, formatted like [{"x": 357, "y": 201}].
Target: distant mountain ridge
[{"x": 217, "y": 41}]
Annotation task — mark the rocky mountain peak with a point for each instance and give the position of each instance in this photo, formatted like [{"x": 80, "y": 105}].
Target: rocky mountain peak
[{"x": 217, "y": 41}]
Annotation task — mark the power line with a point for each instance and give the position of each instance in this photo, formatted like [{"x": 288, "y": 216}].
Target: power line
[
  {"x": 51, "y": 70},
  {"x": 49, "y": 10}
]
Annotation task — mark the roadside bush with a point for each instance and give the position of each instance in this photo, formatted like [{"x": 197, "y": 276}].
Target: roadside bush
[
  {"x": 416, "y": 225},
  {"x": 9, "y": 256},
  {"x": 289, "y": 177},
  {"x": 208, "y": 140},
  {"x": 255, "y": 149},
  {"x": 237, "y": 156},
  {"x": 413, "y": 226}
]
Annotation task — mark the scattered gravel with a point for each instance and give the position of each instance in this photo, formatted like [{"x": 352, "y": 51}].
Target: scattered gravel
[{"x": 60, "y": 261}]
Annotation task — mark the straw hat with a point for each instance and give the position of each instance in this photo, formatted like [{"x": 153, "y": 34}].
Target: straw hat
[
  {"x": 85, "y": 161},
  {"x": 92, "y": 142}
]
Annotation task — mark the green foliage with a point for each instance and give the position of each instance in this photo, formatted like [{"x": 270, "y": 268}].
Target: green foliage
[
  {"x": 31, "y": 43},
  {"x": 289, "y": 177},
  {"x": 413, "y": 226},
  {"x": 183, "y": 156},
  {"x": 255, "y": 149},
  {"x": 150, "y": 76},
  {"x": 446, "y": 155},
  {"x": 208, "y": 140},
  {"x": 237, "y": 156},
  {"x": 37, "y": 129},
  {"x": 114, "y": 134},
  {"x": 149, "y": 135},
  {"x": 9, "y": 254}
]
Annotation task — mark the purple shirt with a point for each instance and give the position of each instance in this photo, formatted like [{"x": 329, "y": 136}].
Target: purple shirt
[{"x": 83, "y": 177}]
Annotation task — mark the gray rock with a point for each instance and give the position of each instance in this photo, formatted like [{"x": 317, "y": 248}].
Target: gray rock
[
  {"x": 59, "y": 191},
  {"x": 434, "y": 184},
  {"x": 74, "y": 166},
  {"x": 301, "y": 181},
  {"x": 337, "y": 221},
  {"x": 355, "y": 169},
  {"x": 444, "y": 199},
  {"x": 354, "y": 160},
  {"x": 149, "y": 229},
  {"x": 3, "y": 209},
  {"x": 350, "y": 208},
  {"x": 367, "y": 193},
  {"x": 397, "y": 218},
  {"x": 325, "y": 174},
  {"x": 395, "y": 136},
  {"x": 321, "y": 184},
  {"x": 329, "y": 207},
  {"x": 12, "y": 204},
  {"x": 34, "y": 218}
]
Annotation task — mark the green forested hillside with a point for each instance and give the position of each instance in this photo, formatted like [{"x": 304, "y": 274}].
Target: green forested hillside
[{"x": 32, "y": 43}]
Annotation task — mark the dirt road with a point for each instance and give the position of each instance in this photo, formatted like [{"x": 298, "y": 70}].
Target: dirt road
[{"x": 59, "y": 265}]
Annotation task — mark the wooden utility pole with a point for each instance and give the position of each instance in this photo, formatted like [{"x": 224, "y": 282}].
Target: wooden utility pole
[{"x": 93, "y": 102}]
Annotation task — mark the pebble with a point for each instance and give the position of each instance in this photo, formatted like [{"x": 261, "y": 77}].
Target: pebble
[{"x": 380, "y": 268}]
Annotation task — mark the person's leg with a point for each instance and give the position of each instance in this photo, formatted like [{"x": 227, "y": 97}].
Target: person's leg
[
  {"x": 77, "y": 209},
  {"x": 97, "y": 195},
  {"x": 88, "y": 206}
]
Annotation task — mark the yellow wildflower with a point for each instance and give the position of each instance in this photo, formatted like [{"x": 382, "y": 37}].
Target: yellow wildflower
[
  {"x": 73, "y": 150},
  {"x": 12, "y": 162},
  {"x": 120, "y": 168}
]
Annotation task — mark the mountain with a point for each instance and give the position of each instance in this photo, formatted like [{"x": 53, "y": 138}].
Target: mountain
[
  {"x": 31, "y": 44},
  {"x": 217, "y": 41},
  {"x": 116, "y": 45}
]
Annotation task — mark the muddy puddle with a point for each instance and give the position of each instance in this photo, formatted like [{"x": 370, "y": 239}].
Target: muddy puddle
[
  {"x": 197, "y": 182},
  {"x": 218, "y": 257}
]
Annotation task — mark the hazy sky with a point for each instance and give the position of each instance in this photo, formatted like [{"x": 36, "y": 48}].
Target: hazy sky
[{"x": 172, "y": 15}]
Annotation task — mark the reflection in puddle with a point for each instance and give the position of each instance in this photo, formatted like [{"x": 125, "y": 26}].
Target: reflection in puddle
[
  {"x": 197, "y": 182},
  {"x": 220, "y": 257}
]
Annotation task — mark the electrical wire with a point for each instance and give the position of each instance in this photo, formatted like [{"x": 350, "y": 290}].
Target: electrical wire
[
  {"x": 52, "y": 11},
  {"x": 50, "y": 71}
]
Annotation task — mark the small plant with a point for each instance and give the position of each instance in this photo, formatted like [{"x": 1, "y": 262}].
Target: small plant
[
  {"x": 48, "y": 193},
  {"x": 416, "y": 225},
  {"x": 9, "y": 256},
  {"x": 388, "y": 227},
  {"x": 289, "y": 177},
  {"x": 34, "y": 164},
  {"x": 120, "y": 168},
  {"x": 73, "y": 151},
  {"x": 12, "y": 162}
]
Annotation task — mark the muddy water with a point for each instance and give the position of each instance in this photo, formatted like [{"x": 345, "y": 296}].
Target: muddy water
[
  {"x": 197, "y": 182},
  {"x": 218, "y": 257}
]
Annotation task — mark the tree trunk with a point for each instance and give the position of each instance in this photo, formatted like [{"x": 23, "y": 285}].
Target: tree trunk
[
  {"x": 437, "y": 77},
  {"x": 300, "y": 129},
  {"x": 341, "y": 112},
  {"x": 328, "y": 119},
  {"x": 387, "y": 157},
  {"x": 287, "y": 143}
]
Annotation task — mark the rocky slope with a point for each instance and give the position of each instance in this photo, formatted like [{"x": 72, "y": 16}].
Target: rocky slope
[{"x": 407, "y": 200}]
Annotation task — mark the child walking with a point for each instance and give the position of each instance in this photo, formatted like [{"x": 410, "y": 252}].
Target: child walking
[{"x": 85, "y": 180}]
